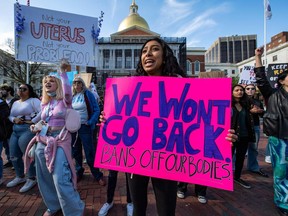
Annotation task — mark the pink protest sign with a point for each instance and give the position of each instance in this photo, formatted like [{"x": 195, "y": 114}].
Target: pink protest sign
[{"x": 171, "y": 128}]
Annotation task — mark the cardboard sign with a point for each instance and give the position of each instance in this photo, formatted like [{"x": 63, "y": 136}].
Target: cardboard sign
[
  {"x": 170, "y": 128},
  {"x": 87, "y": 77},
  {"x": 247, "y": 76},
  {"x": 49, "y": 36}
]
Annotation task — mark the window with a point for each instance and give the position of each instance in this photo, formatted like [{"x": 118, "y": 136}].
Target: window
[
  {"x": 128, "y": 58},
  {"x": 136, "y": 57},
  {"x": 274, "y": 58},
  {"x": 189, "y": 68},
  {"x": 196, "y": 67},
  {"x": 223, "y": 52},
  {"x": 238, "y": 51},
  {"x": 106, "y": 57},
  {"x": 118, "y": 58},
  {"x": 233, "y": 71}
]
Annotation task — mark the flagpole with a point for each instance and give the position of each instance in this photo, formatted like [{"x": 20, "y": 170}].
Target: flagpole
[{"x": 265, "y": 20}]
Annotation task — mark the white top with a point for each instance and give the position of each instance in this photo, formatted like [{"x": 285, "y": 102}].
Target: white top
[{"x": 27, "y": 109}]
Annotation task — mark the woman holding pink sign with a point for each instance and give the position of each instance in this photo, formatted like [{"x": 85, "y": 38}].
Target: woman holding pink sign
[{"x": 157, "y": 59}]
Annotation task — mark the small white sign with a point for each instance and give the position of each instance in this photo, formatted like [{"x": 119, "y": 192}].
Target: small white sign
[
  {"x": 49, "y": 36},
  {"x": 247, "y": 76}
]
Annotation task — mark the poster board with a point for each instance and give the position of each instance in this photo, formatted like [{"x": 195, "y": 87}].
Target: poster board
[
  {"x": 49, "y": 36},
  {"x": 87, "y": 77},
  {"x": 273, "y": 70},
  {"x": 168, "y": 128},
  {"x": 247, "y": 76}
]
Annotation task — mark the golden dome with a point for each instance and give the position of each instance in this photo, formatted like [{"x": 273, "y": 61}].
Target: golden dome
[{"x": 134, "y": 19}]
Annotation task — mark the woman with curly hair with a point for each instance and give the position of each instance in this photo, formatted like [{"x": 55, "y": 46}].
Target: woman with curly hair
[{"x": 156, "y": 59}]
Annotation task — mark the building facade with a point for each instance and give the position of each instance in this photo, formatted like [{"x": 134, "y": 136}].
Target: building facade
[
  {"x": 119, "y": 54},
  {"x": 195, "y": 61},
  {"x": 232, "y": 49},
  {"x": 277, "y": 52}
]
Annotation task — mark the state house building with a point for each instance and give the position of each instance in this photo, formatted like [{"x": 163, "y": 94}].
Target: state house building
[{"x": 119, "y": 54}]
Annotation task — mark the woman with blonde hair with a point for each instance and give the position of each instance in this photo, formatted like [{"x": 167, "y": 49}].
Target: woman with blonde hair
[{"x": 54, "y": 164}]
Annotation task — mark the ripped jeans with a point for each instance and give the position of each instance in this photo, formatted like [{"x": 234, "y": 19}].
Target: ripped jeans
[
  {"x": 18, "y": 143},
  {"x": 57, "y": 188}
]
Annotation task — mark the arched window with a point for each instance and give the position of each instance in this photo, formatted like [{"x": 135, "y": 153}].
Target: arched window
[
  {"x": 196, "y": 67},
  {"x": 189, "y": 68}
]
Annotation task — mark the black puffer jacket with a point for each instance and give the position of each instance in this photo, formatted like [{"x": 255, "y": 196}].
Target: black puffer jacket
[{"x": 275, "y": 120}]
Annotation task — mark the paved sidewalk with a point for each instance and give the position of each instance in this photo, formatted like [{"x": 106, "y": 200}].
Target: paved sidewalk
[{"x": 255, "y": 201}]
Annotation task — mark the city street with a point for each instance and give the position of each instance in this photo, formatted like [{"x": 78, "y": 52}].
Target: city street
[{"x": 255, "y": 201}]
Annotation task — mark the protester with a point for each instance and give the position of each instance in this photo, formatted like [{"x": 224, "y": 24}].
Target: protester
[
  {"x": 112, "y": 181},
  {"x": 257, "y": 112},
  {"x": 200, "y": 191},
  {"x": 24, "y": 112},
  {"x": 8, "y": 96},
  {"x": 275, "y": 125},
  {"x": 242, "y": 123},
  {"x": 54, "y": 164},
  {"x": 157, "y": 59},
  {"x": 85, "y": 103},
  {"x": 4, "y": 113}
]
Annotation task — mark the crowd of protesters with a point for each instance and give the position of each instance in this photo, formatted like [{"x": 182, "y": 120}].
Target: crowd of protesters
[{"x": 42, "y": 150}]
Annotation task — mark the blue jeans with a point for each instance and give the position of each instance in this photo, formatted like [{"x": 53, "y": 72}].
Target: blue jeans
[
  {"x": 57, "y": 188},
  {"x": 252, "y": 162},
  {"x": 1, "y": 160},
  {"x": 85, "y": 138},
  {"x": 18, "y": 142}
]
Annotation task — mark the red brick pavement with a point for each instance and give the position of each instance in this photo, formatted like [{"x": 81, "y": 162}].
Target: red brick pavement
[{"x": 255, "y": 201}]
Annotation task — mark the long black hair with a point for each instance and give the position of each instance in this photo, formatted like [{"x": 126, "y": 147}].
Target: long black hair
[
  {"x": 32, "y": 93},
  {"x": 170, "y": 64},
  {"x": 244, "y": 100}
]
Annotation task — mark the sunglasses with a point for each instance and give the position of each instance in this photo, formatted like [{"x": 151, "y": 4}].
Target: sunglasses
[
  {"x": 77, "y": 82},
  {"x": 250, "y": 89},
  {"x": 21, "y": 89}
]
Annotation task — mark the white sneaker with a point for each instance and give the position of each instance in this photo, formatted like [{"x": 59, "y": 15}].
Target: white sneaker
[
  {"x": 202, "y": 199},
  {"x": 129, "y": 209},
  {"x": 268, "y": 159},
  {"x": 105, "y": 208},
  {"x": 180, "y": 194},
  {"x": 1, "y": 181},
  {"x": 28, "y": 185},
  {"x": 15, "y": 182}
]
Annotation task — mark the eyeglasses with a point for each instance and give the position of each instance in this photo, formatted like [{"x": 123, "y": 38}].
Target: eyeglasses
[
  {"x": 21, "y": 89},
  {"x": 77, "y": 82},
  {"x": 248, "y": 89}
]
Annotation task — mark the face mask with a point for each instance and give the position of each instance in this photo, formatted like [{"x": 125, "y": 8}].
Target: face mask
[{"x": 51, "y": 94}]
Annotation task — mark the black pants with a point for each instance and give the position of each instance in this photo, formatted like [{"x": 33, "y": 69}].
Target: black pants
[
  {"x": 164, "y": 190},
  {"x": 241, "y": 148},
  {"x": 200, "y": 190},
  {"x": 112, "y": 181}
]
